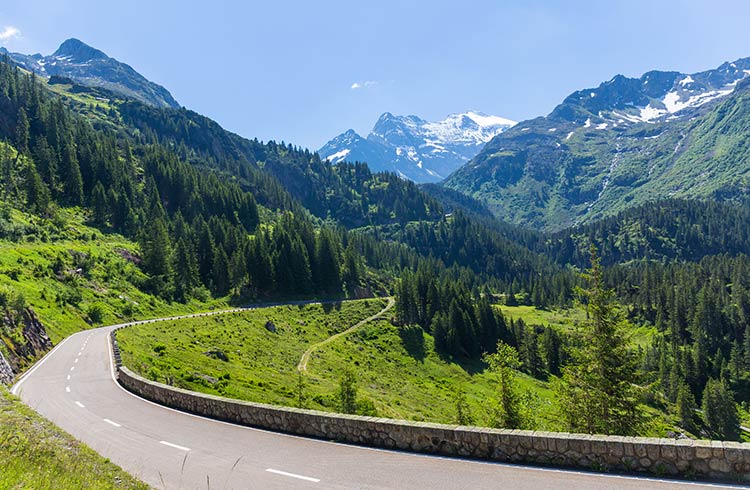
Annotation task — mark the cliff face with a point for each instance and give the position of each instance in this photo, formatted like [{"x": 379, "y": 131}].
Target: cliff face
[
  {"x": 34, "y": 342},
  {"x": 6, "y": 373}
]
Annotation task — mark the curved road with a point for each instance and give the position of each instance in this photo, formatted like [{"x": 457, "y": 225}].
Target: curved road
[{"x": 74, "y": 387}]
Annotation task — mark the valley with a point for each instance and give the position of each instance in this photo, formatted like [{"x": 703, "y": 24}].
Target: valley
[{"x": 584, "y": 272}]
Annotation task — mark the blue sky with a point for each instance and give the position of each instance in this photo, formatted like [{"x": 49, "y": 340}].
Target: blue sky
[{"x": 303, "y": 71}]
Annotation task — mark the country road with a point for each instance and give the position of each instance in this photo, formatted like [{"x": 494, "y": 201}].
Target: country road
[{"x": 74, "y": 386}]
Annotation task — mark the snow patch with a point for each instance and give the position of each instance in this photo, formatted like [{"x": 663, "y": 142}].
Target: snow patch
[
  {"x": 688, "y": 79},
  {"x": 569, "y": 135},
  {"x": 487, "y": 121},
  {"x": 588, "y": 123},
  {"x": 338, "y": 156},
  {"x": 601, "y": 126}
]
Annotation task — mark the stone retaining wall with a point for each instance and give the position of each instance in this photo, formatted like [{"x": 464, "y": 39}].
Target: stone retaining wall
[{"x": 663, "y": 457}]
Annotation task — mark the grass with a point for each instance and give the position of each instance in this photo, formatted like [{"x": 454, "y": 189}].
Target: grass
[
  {"x": 36, "y": 454},
  {"x": 398, "y": 371},
  {"x": 402, "y": 377},
  {"x": 261, "y": 365},
  {"x": 568, "y": 320}
]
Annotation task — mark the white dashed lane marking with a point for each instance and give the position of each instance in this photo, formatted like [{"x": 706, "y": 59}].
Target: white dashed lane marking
[
  {"x": 292, "y": 475},
  {"x": 80, "y": 404},
  {"x": 181, "y": 448}
]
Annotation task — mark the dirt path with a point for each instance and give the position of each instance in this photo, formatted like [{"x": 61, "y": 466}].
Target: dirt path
[{"x": 302, "y": 366}]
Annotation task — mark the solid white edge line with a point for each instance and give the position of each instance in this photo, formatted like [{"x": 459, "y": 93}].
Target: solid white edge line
[
  {"x": 416, "y": 455},
  {"x": 292, "y": 475},
  {"x": 176, "y": 446},
  {"x": 112, "y": 423},
  {"x": 24, "y": 377},
  {"x": 80, "y": 404}
]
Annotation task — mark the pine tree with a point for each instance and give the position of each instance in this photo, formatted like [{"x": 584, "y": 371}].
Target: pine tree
[
  {"x": 237, "y": 271},
  {"x": 156, "y": 251},
  {"x": 347, "y": 393},
  {"x": 185, "y": 271},
  {"x": 220, "y": 272},
  {"x": 73, "y": 183},
  {"x": 327, "y": 262},
  {"x": 508, "y": 411},
  {"x": 551, "y": 345},
  {"x": 596, "y": 391},
  {"x": 37, "y": 195},
  {"x": 720, "y": 411},
  {"x": 22, "y": 132},
  {"x": 463, "y": 411},
  {"x": 99, "y": 205},
  {"x": 685, "y": 407}
]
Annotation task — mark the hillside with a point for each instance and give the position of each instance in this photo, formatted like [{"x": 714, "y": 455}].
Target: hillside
[{"x": 624, "y": 143}]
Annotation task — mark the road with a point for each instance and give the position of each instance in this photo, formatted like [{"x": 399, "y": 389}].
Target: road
[{"x": 74, "y": 387}]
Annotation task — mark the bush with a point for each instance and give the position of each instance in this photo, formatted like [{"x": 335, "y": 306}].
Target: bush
[{"x": 96, "y": 313}]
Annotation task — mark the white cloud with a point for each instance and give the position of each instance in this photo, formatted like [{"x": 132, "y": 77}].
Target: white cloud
[
  {"x": 365, "y": 84},
  {"x": 8, "y": 33}
]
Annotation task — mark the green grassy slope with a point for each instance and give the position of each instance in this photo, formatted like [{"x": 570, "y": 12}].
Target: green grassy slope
[
  {"x": 75, "y": 277},
  {"x": 399, "y": 373}
]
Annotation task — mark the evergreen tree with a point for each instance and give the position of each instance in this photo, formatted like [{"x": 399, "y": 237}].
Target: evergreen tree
[
  {"x": 156, "y": 252},
  {"x": 463, "y": 411},
  {"x": 551, "y": 344},
  {"x": 220, "y": 272},
  {"x": 37, "y": 195},
  {"x": 685, "y": 407},
  {"x": 347, "y": 392},
  {"x": 327, "y": 262},
  {"x": 73, "y": 183},
  {"x": 508, "y": 411},
  {"x": 185, "y": 271},
  {"x": 22, "y": 132},
  {"x": 720, "y": 411},
  {"x": 237, "y": 271},
  {"x": 596, "y": 392},
  {"x": 99, "y": 205}
]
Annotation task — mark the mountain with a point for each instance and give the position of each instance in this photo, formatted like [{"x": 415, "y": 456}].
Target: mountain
[
  {"x": 628, "y": 141},
  {"x": 417, "y": 149},
  {"x": 88, "y": 66}
]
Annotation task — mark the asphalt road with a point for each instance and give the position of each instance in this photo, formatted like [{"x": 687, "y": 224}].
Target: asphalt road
[{"x": 74, "y": 387}]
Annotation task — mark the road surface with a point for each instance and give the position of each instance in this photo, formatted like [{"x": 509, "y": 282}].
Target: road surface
[{"x": 74, "y": 387}]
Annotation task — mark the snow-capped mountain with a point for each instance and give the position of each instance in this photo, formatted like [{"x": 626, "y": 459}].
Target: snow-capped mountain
[
  {"x": 417, "y": 149},
  {"x": 623, "y": 143},
  {"x": 90, "y": 67},
  {"x": 655, "y": 95}
]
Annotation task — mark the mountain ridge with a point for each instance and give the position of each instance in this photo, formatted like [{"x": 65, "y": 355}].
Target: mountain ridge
[
  {"x": 417, "y": 149},
  {"x": 91, "y": 67},
  {"x": 629, "y": 140}
]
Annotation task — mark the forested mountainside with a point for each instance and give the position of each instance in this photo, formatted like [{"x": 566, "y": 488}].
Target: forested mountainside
[
  {"x": 348, "y": 193},
  {"x": 622, "y": 144}
]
